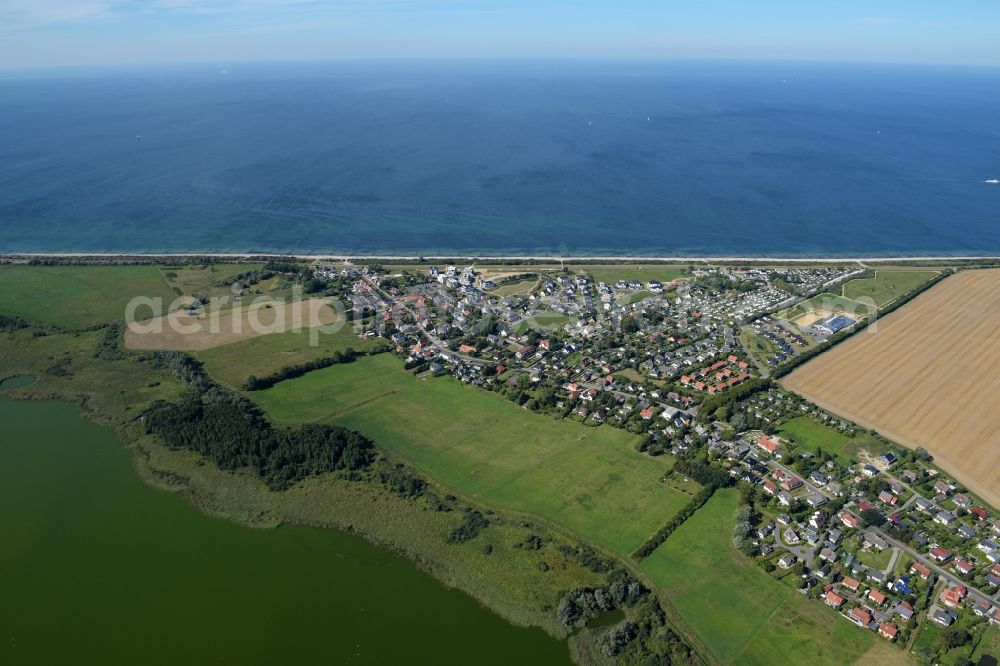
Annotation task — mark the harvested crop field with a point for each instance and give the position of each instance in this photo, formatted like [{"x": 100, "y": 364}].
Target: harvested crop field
[
  {"x": 179, "y": 331},
  {"x": 929, "y": 376}
]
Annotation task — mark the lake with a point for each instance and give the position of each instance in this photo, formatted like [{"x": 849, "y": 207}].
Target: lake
[
  {"x": 97, "y": 567},
  {"x": 679, "y": 158}
]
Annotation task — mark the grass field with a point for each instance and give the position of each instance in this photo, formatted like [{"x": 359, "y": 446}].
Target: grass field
[
  {"x": 756, "y": 344},
  {"x": 928, "y": 377},
  {"x": 887, "y": 285},
  {"x": 813, "y": 436},
  {"x": 826, "y": 304},
  {"x": 740, "y": 613},
  {"x": 928, "y": 636},
  {"x": 612, "y": 273},
  {"x": 232, "y": 364},
  {"x": 875, "y": 559},
  {"x": 77, "y": 296},
  {"x": 203, "y": 279},
  {"x": 495, "y": 271},
  {"x": 515, "y": 288},
  {"x": 629, "y": 299},
  {"x": 586, "y": 480},
  {"x": 544, "y": 321},
  {"x": 179, "y": 331},
  {"x": 631, "y": 375},
  {"x": 989, "y": 644}
]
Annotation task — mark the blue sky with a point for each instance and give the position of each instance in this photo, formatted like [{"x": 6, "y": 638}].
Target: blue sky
[{"x": 75, "y": 32}]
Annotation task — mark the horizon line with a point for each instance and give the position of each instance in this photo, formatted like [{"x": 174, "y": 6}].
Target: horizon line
[
  {"x": 493, "y": 257},
  {"x": 504, "y": 59}
]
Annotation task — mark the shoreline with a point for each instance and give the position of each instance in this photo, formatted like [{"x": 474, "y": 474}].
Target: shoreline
[{"x": 496, "y": 257}]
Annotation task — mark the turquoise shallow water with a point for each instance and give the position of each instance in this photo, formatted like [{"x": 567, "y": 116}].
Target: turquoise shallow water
[{"x": 656, "y": 158}]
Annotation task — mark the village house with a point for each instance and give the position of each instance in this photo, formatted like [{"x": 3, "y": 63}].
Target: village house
[
  {"x": 833, "y": 599},
  {"x": 849, "y": 520},
  {"x": 768, "y": 445},
  {"x": 790, "y": 483},
  {"x": 888, "y": 631},
  {"x": 860, "y": 617},
  {"x": 941, "y": 616},
  {"x": 954, "y": 596},
  {"x": 964, "y": 567},
  {"x": 939, "y": 554},
  {"x": 944, "y": 517},
  {"x": 979, "y": 513},
  {"x": 962, "y": 500}
]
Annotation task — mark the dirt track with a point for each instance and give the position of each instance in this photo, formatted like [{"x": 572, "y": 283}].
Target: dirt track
[{"x": 929, "y": 376}]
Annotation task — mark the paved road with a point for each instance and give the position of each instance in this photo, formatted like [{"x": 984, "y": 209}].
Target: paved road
[
  {"x": 923, "y": 559},
  {"x": 944, "y": 575},
  {"x": 439, "y": 344}
]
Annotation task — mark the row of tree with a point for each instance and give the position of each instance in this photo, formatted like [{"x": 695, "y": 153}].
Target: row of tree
[
  {"x": 706, "y": 475},
  {"x": 255, "y": 383},
  {"x": 655, "y": 541},
  {"x": 728, "y": 399}
]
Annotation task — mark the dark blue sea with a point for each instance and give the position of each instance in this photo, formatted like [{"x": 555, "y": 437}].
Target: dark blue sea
[{"x": 649, "y": 158}]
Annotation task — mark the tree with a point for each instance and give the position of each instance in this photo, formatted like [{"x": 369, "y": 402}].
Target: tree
[
  {"x": 616, "y": 638},
  {"x": 955, "y": 637},
  {"x": 871, "y": 517}
]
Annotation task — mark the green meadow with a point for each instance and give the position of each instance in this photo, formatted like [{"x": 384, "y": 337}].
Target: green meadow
[
  {"x": 738, "y": 611},
  {"x": 587, "y": 480},
  {"x": 809, "y": 434},
  {"x": 266, "y": 354},
  {"x": 887, "y": 285},
  {"x": 515, "y": 288},
  {"x": 825, "y": 303},
  {"x": 546, "y": 320},
  {"x": 612, "y": 273},
  {"x": 204, "y": 279},
  {"x": 77, "y": 296}
]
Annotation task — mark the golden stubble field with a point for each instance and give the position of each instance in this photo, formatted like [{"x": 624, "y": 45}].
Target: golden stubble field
[
  {"x": 929, "y": 376},
  {"x": 179, "y": 331}
]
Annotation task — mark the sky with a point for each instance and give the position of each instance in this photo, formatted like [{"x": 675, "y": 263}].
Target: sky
[{"x": 44, "y": 33}]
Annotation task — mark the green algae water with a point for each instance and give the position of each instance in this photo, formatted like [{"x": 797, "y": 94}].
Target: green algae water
[{"x": 97, "y": 567}]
